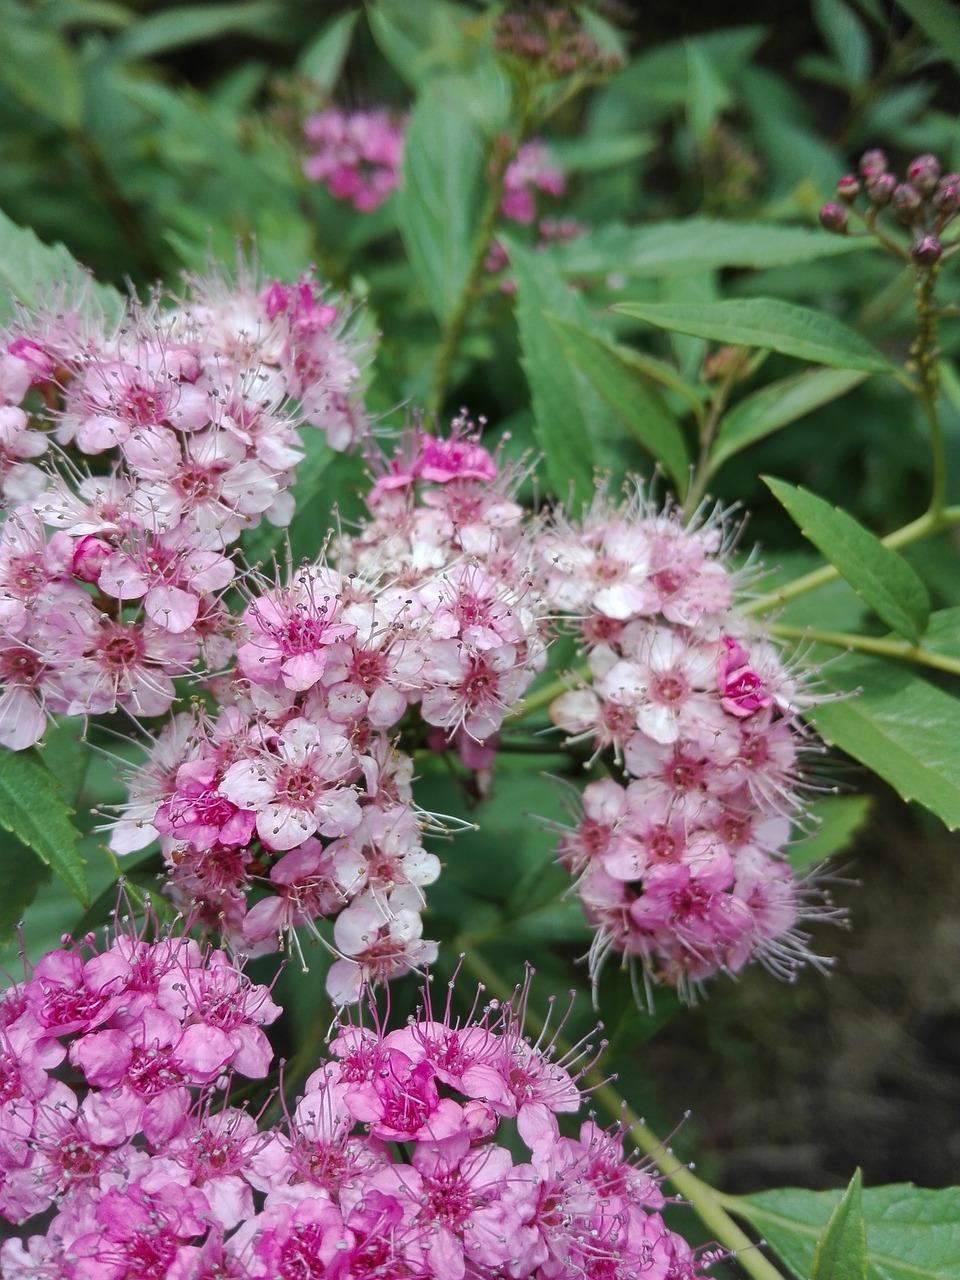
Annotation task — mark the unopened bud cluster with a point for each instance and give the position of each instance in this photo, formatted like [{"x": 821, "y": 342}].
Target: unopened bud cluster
[
  {"x": 549, "y": 41},
  {"x": 925, "y": 202}
]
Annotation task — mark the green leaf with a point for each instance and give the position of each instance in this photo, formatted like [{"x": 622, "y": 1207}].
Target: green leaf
[
  {"x": 842, "y": 1249},
  {"x": 943, "y": 632},
  {"x": 438, "y": 203},
  {"x": 940, "y": 21},
  {"x": 420, "y": 39},
  {"x": 777, "y": 405},
  {"x": 691, "y": 245},
  {"x": 31, "y": 809},
  {"x": 193, "y": 24},
  {"x": 838, "y": 820},
  {"x": 66, "y": 754},
  {"x": 40, "y": 68},
  {"x": 846, "y": 36},
  {"x": 628, "y": 394},
  {"x": 21, "y": 876},
  {"x": 766, "y": 323},
  {"x": 30, "y": 272},
  {"x": 323, "y": 59},
  {"x": 707, "y": 94},
  {"x": 900, "y": 726},
  {"x": 881, "y": 577},
  {"x": 913, "y": 1233}
]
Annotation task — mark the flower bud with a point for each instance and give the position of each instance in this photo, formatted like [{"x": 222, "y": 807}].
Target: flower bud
[
  {"x": 833, "y": 217},
  {"x": 872, "y": 164},
  {"x": 908, "y": 202},
  {"x": 923, "y": 173},
  {"x": 946, "y": 198},
  {"x": 880, "y": 190},
  {"x": 848, "y": 188},
  {"x": 927, "y": 251}
]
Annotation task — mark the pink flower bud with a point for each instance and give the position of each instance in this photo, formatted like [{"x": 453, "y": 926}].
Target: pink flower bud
[
  {"x": 908, "y": 202},
  {"x": 880, "y": 190},
  {"x": 923, "y": 173},
  {"x": 89, "y": 554},
  {"x": 833, "y": 217},
  {"x": 927, "y": 251},
  {"x": 946, "y": 198},
  {"x": 848, "y": 188},
  {"x": 872, "y": 164}
]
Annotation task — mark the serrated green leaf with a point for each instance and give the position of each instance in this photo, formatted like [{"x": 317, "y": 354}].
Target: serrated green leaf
[
  {"x": 32, "y": 810},
  {"x": 692, "y": 245},
  {"x": 568, "y": 412},
  {"x": 941, "y": 22},
  {"x": 66, "y": 755},
  {"x": 193, "y": 24},
  {"x": 881, "y": 577},
  {"x": 40, "y": 68},
  {"x": 776, "y": 406},
  {"x": 837, "y": 821},
  {"x": 628, "y": 394},
  {"x": 766, "y": 323},
  {"x": 322, "y": 60},
  {"x": 900, "y": 726},
  {"x": 913, "y": 1233},
  {"x": 30, "y": 272},
  {"x": 841, "y": 1252},
  {"x": 438, "y": 203},
  {"x": 21, "y": 876}
]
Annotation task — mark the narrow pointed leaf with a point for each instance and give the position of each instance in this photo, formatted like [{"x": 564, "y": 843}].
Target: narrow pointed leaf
[
  {"x": 31, "y": 809},
  {"x": 881, "y": 577},
  {"x": 901, "y": 727},
  {"x": 690, "y": 245},
  {"x": 842, "y": 1249},
  {"x": 912, "y": 1233},
  {"x": 628, "y": 394},
  {"x": 323, "y": 59},
  {"x": 777, "y": 405},
  {"x": 941, "y": 22},
  {"x": 438, "y": 203},
  {"x": 766, "y": 323}
]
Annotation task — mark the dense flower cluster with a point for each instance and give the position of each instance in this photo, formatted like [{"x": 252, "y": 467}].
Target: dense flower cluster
[
  {"x": 682, "y": 868},
  {"x": 529, "y": 172},
  {"x": 297, "y": 788},
  {"x": 356, "y": 155},
  {"x": 131, "y": 459},
  {"x": 152, "y": 1172}
]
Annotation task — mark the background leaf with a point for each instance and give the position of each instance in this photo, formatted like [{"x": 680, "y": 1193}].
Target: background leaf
[
  {"x": 692, "y": 245},
  {"x": 777, "y": 405},
  {"x": 879, "y": 576},
  {"x": 32, "y": 809},
  {"x": 629, "y": 395},
  {"x": 900, "y": 726},
  {"x": 31, "y": 272},
  {"x": 766, "y": 323},
  {"x": 322, "y": 60},
  {"x": 913, "y": 1233},
  {"x": 838, "y": 820},
  {"x": 437, "y": 205},
  {"x": 940, "y": 21}
]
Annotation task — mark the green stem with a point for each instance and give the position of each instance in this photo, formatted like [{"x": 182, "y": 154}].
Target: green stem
[
  {"x": 708, "y": 430},
  {"x": 883, "y": 646},
  {"x": 704, "y": 1199},
  {"x": 540, "y": 699},
  {"x": 924, "y": 526},
  {"x": 923, "y": 360}
]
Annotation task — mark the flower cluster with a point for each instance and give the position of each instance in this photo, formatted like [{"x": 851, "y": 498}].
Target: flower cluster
[
  {"x": 297, "y": 788},
  {"x": 401, "y": 1158},
  {"x": 163, "y": 438},
  {"x": 530, "y": 171},
  {"x": 926, "y": 202},
  {"x": 681, "y": 868},
  {"x": 355, "y": 154},
  {"x": 137, "y": 1028}
]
